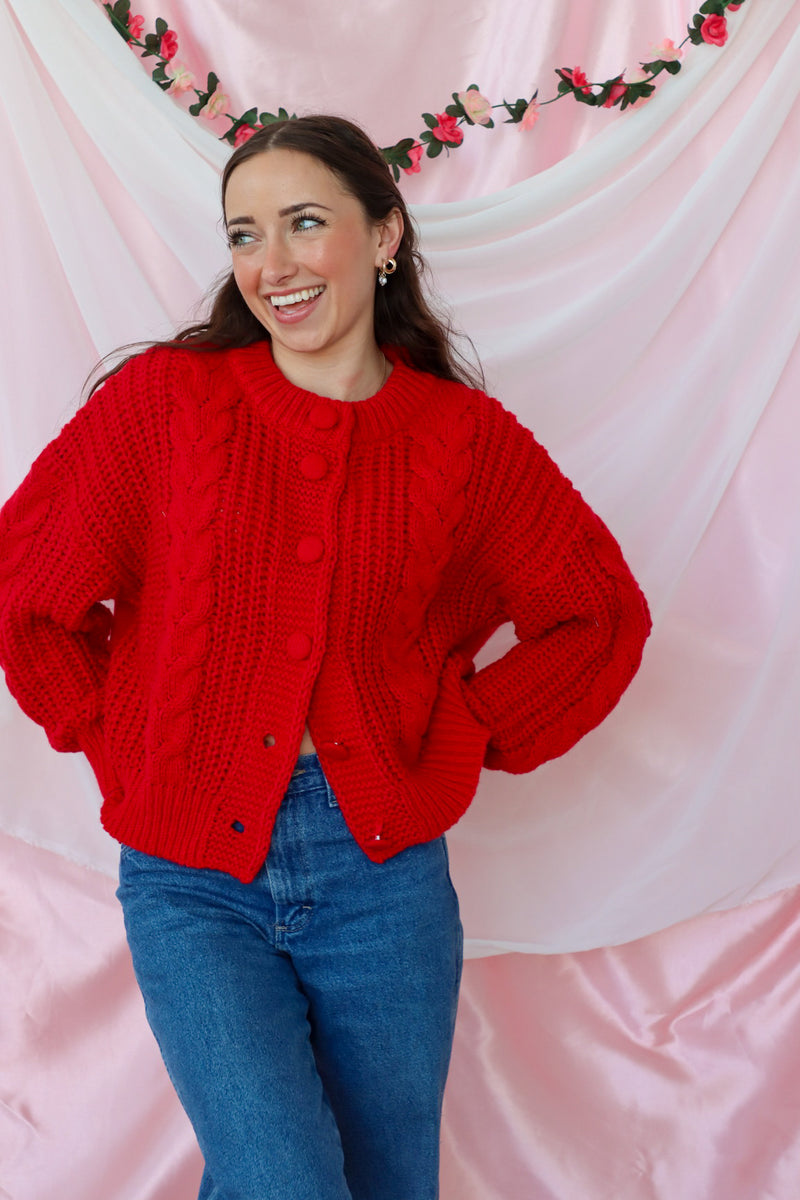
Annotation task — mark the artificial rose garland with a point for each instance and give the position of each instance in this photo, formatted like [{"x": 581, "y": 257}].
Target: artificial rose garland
[{"x": 470, "y": 107}]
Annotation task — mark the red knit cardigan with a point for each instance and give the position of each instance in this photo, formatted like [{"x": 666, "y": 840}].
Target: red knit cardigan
[{"x": 273, "y": 558}]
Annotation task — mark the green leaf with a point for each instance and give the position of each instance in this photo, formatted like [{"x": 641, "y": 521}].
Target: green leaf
[
  {"x": 396, "y": 173},
  {"x": 434, "y": 148},
  {"x": 488, "y": 124},
  {"x": 672, "y": 67},
  {"x": 161, "y": 26},
  {"x": 713, "y": 6},
  {"x": 195, "y": 109},
  {"x": 403, "y": 146},
  {"x": 427, "y": 136},
  {"x": 473, "y": 87},
  {"x": 213, "y": 83},
  {"x": 250, "y": 117},
  {"x": 121, "y": 10},
  {"x": 430, "y": 120},
  {"x": 152, "y": 43},
  {"x": 283, "y": 114},
  {"x": 455, "y": 110}
]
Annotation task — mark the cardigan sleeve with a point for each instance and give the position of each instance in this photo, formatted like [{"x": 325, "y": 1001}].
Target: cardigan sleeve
[
  {"x": 579, "y": 616},
  {"x": 66, "y": 549}
]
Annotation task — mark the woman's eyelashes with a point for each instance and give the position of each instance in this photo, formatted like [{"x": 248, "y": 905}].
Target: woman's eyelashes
[
  {"x": 301, "y": 223},
  {"x": 306, "y": 220}
]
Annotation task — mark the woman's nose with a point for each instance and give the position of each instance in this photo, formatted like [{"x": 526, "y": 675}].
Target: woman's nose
[{"x": 277, "y": 265}]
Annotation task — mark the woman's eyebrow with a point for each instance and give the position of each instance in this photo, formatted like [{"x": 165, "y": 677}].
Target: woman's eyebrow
[{"x": 283, "y": 212}]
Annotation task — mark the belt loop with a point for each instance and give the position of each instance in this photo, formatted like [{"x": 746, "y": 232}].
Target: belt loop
[{"x": 332, "y": 801}]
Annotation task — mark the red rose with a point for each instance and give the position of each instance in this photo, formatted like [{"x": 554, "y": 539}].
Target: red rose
[
  {"x": 169, "y": 44},
  {"x": 135, "y": 26},
  {"x": 447, "y": 130},
  {"x": 577, "y": 78},
  {"x": 618, "y": 90},
  {"x": 244, "y": 133},
  {"x": 734, "y": 7},
  {"x": 415, "y": 154},
  {"x": 714, "y": 30}
]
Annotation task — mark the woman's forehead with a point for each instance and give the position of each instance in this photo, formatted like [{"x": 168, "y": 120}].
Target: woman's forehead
[{"x": 275, "y": 176}]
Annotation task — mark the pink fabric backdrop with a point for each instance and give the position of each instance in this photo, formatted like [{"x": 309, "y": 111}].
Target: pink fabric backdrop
[
  {"x": 661, "y": 1070},
  {"x": 646, "y": 280}
]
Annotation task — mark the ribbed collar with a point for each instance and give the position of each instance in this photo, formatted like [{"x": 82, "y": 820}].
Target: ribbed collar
[{"x": 389, "y": 409}]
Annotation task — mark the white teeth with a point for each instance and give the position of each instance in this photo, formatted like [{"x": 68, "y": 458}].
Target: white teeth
[{"x": 296, "y": 297}]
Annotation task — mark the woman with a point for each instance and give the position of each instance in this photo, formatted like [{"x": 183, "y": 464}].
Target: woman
[{"x": 309, "y": 521}]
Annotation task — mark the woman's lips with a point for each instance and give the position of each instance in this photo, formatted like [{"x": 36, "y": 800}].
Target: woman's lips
[{"x": 295, "y": 306}]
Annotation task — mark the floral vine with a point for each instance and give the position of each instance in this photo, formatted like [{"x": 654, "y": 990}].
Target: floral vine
[{"x": 444, "y": 130}]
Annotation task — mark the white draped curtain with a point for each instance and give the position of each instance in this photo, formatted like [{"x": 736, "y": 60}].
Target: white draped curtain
[{"x": 631, "y": 284}]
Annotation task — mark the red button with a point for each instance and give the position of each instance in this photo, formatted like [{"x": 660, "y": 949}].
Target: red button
[
  {"x": 313, "y": 466},
  {"x": 335, "y": 750},
  {"x": 298, "y": 645},
  {"x": 310, "y": 549},
  {"x": 323, "y": 416}
]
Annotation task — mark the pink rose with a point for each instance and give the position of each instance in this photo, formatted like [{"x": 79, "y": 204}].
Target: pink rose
[
  {"x": 447, "y": 130},
  {"x": 215, "y": 105},
  {"x": 714, "y": 30},
  {"x": 476, "y": 106},
  {"x": 734, "y": 7},
  {"x": 415, "y": 154},
  {"x": 666, "y": 52},
  {"x": 182, "y": 78},
  {"x": 169, "y": 44},
  {"x": 244, "y": 133},
  {"x": 618, "y": 90},
  {"x": 637, "y": 75},
  {"x": 530, "y": 116},
  {"x": 577, "y": 78},
  {"x": 135, "y": 26}
]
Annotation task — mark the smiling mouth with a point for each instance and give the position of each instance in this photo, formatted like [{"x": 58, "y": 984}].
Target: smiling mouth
[{"x": 296, "y": 297}]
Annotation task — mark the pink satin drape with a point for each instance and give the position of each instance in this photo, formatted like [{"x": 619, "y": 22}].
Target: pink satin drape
[
  {"x": 660, "y": 1070},
  {"x": 648, "y": 340}
]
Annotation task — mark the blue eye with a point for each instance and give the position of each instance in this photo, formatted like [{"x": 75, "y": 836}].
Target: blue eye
[
  {"x": 304, "y": 221},
  {"x": 239, "y": 237}
]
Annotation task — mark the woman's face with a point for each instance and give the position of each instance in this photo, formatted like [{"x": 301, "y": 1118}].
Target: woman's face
[{"x": 305, "y": 256}]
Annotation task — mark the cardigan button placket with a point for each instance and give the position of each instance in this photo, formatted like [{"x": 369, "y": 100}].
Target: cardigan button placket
[
  {"x": 298, "y": 646},
  {"x": 310, "y": 549},
  {"x": 323, "y": 416},
  {"x": 313, "y": 466},
  {"x": 337, "y": 751}
]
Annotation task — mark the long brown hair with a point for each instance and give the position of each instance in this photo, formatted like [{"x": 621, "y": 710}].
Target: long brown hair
[{"x": 403, "y": 317}]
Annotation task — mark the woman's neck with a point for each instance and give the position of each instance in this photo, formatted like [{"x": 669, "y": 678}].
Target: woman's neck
[{"x": 342, "y": 378}]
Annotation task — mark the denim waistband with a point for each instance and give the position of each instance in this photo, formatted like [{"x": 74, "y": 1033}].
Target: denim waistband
[{"x": 308, "y": 777}]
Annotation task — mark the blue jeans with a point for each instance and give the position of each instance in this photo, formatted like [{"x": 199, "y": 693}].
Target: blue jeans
[{"x": 306, "y": 1018}]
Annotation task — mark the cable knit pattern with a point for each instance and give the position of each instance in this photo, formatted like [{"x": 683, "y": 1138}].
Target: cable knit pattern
[
  {"x": 200, "y": 434},
  {"x": 276, "y": 558},
  {"x": 440, "y": 462}
]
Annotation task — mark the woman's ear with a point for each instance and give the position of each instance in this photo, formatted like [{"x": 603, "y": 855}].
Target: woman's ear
[{"x": 390, "y": 232}]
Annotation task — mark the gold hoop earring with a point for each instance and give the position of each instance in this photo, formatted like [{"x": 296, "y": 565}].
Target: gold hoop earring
[{"x": 388, "y": 268}]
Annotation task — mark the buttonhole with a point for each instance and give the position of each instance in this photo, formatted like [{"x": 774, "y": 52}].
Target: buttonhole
[{"x": 269, "y": 740}]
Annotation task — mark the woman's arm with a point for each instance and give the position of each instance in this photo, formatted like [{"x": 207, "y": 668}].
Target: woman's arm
[
  {"x": 577, "y": 611},
  {"x": 66, "y": 546}
]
